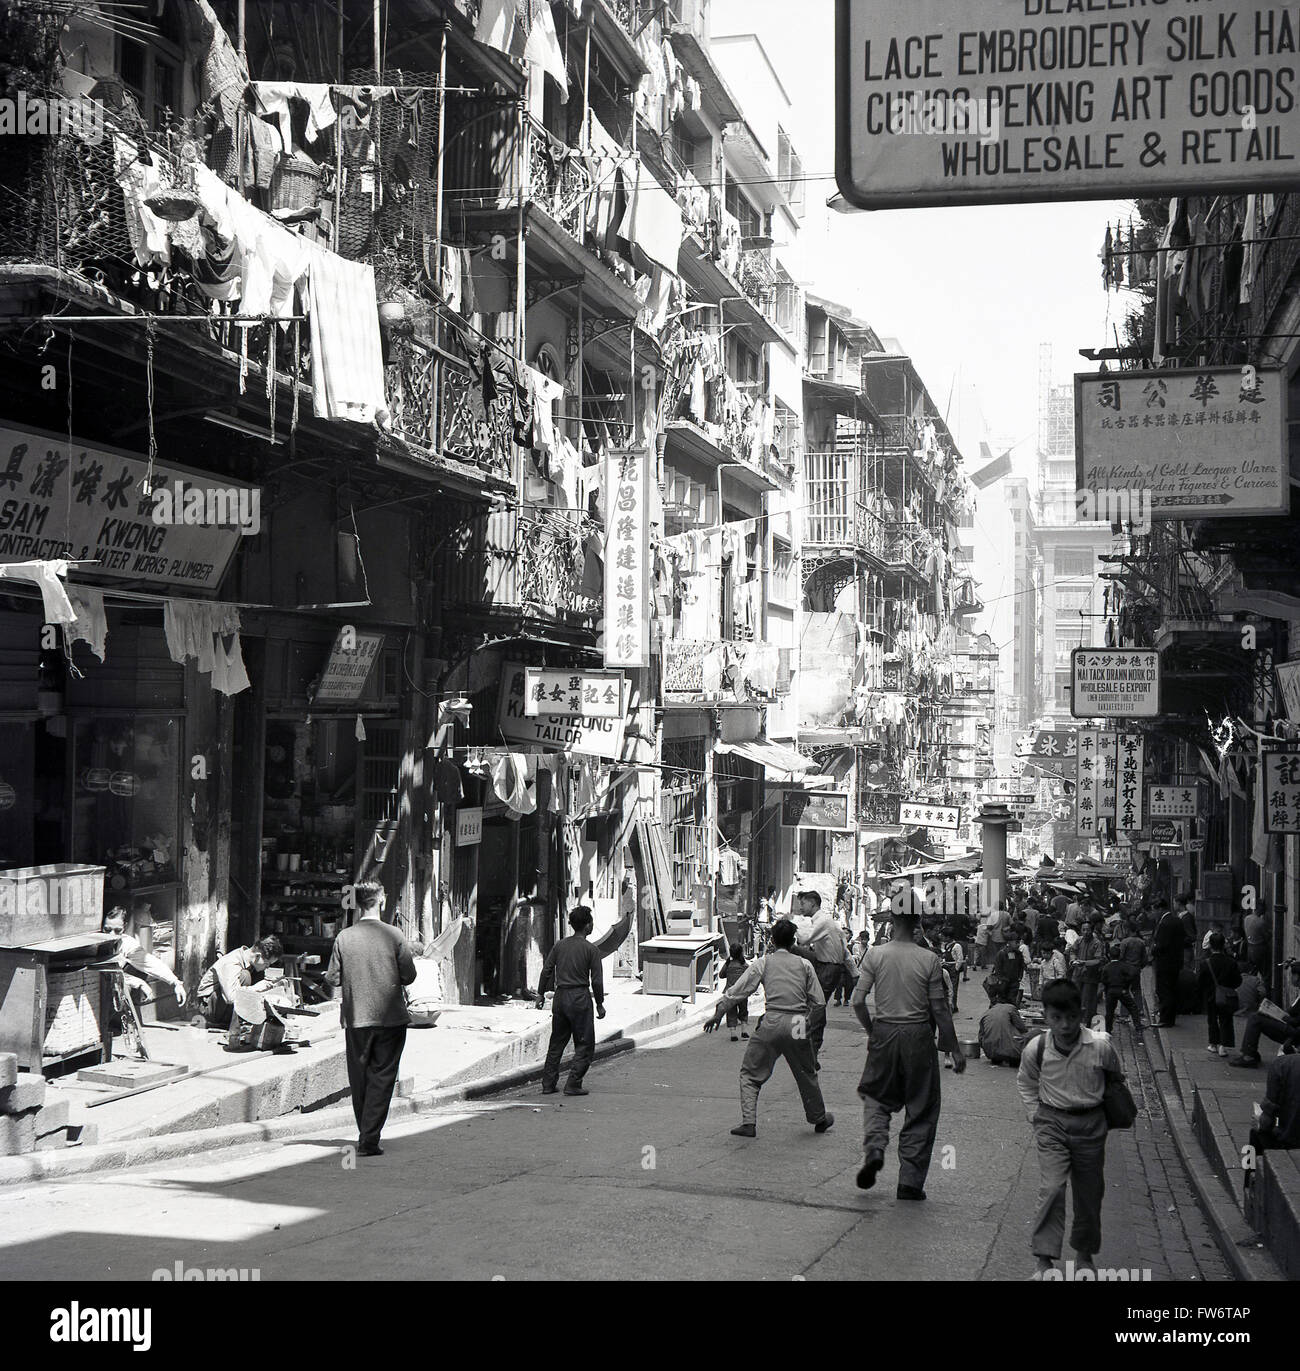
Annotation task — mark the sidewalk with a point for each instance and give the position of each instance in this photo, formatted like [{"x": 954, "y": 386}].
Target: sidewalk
[
  {"x": 1214, "y": 1104},
  {"x": 229, "y": 1097}
]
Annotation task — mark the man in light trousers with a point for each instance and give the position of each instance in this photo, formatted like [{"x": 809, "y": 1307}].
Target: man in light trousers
[{"x": 793, "y": 1003}]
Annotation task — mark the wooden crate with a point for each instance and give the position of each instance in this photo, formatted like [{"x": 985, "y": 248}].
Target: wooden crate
[
  {"x": 40, "y": 902},
  {"x": 71, "y": 1012}
]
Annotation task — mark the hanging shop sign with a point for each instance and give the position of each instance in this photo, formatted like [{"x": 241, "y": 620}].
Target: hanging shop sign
[
  {"x": 1114, "y": 682},
  {"x": 1280, "y": 780},
  {"x": 88, "y": 504},
  {"x": 1288, "y": 679},
  {"x": 572, "y": 693},
  {"x": 351, "y": 660},
  {"x": 469, "y": 826},
  {"x": 1172, "y": 801},
  {"x": 684, "y": 666},
  {"x": 931, "y": 816},
  {"x": 825, "y": 809},
  {"x": 1107, "y": 752},
  {"x": 1168, "y": 832},
  {"x": 590, "y": 736},
  {"x": 1087, "y": 794},
  {"x": 1129, "y": 785},
  {"x": 878, "y": 808},
  {"x": 1048, "y": 752},
  {"x": 954, "y": 102},
  {"x": 627, "y": 558},
  {"x": 1181, "y": 444}
]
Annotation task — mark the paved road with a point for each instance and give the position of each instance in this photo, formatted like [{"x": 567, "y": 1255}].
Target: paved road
[{"x": 640, "y": 1180}]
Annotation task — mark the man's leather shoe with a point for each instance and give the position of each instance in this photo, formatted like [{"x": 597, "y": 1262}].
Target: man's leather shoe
[
  {"x": 868, "y": 1172},
  {"x": 825, "y": 1123},
  {"x": 375, "y": 1151},
  {"x": 746, "y": 1130},
  {"x": 550, "y": 1090},
  {"x": 575, "y": 1090},
  {"x": 910, "y": 1192}
]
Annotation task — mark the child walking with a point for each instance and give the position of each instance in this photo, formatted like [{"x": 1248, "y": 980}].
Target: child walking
[
  {"x": 1062, "y": 1081},
  {"x": 732, "y": 970}
]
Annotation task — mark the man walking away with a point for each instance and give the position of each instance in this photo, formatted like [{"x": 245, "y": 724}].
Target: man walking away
[
  {"x": 1255, "y": 929},
  {"x": 569, "y": 965},
  {"x": 902, "y": 1070},
  {"x": 1121, "y": 989},
  {"x": 1167, "y": 955},
  {"x": 794, "y": 1000},
  {"x": 372, "y": 962},
  {"x": 1062, "y": 1082},
  {"x": 823, "y": 945}
]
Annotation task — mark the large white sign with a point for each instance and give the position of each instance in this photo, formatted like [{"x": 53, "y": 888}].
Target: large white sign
[
  {"x": 942, "y": 102},
  {"x": 573, "y": 692},
  {"x": 1172, "y": 801},
  {"x": 1182, "y": 444},
  {"x": 1088, "y": 788},
  {"x": 557, "y": 732},
  {"x": 930, "y": 816},
  {"x": 1128, "y": 800},
  {"x": 93, "y": 509},
  {"x": 348, "y": 668},
  {"x": 628, "y": 573},
  {"x": 1115, "y": 682}
]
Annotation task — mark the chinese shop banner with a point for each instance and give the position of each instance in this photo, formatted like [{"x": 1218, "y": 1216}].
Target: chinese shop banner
[{"x": 627, "y": 558}]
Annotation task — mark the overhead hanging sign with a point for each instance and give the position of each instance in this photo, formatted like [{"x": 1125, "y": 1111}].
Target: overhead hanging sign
[
  {"x": 1172, "y": 801},
  {"x": 1114, "y": 682},
  {"x": 924, "y": 815},
  {"x": 1087, "y": 795},
  {"x": 627, "y": 558},
  {"x": 951, "y": 102},
  {"x": 1195, "y": 443},
  {"x": 590, "y": 737},
  {"x": 1128, "y": 799},
  {"x": 1280, "y": 781},
  {"x": 572, "y": 692},
  {"x": 89, "y": 504},
  {"x": 827, "y": 809},
  {"x": 351, "y": 660},
  {"x": 1288, "y": 678}
]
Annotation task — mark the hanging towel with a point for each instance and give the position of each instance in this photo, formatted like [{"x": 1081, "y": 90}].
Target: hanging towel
[
  {"x": 346, "y": 353},
  {"x": 543, "y": 47},
  {"x": 91, "y": 625},
  {"x": 510, "y": 777},
  {"x": 652, "y": 222},
  {"x": 49, "y": 576}
]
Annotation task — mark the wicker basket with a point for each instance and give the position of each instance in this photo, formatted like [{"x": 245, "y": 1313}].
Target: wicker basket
[{"x": 295, "y": 183}]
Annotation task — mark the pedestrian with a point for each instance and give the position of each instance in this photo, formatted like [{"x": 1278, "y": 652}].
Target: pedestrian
[
  {"x": 1117, "y": 978},
  {"x": 1167, "y": 957},
  {"x": 1000, "y": 924},
  {"x": 902, "y": 1070},
  {"x": 1278, "y": 1127},
  {"x": 1009, "y": 966},
  {"x": 372, "y": 962},
  {"x": 1062, "y": 1080},
  {"x": 823, "y": 945},
  {"x": 243, "y": 966},
  {"x": 848, "y": 971},
  {"x": 1133, "y": 952},
  {"x": 1046, "y": 933},
  {"x": 1186, "y": 912},
  {"x": 570, "y": 965},
  {"x": 1284, "y": 1030},
  {"x": 1255, "y": 930},
  {"x": 953, "y": 958},
  {"x": 1088, "y": 957},
  {"x": 1055, "y": 965},
  {"x": 1219, "y": 981},
  {"x": 1002, "y": 1033},
  {"x": 794, "y": 1000},
  {"x": 732, "y": 970},
  {"x": 959, "y": 928}
]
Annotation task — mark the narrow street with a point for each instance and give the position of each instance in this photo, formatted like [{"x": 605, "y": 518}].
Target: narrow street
[{"x": 640, "y": 1181}]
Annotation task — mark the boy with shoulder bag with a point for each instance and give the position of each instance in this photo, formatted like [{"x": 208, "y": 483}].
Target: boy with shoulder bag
[{"x": 1220, "y": 979}]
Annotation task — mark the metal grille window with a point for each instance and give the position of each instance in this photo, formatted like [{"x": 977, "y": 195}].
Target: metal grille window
[
  {"x": 682, "y": 798},
  {"x": 790, "y": 172}
]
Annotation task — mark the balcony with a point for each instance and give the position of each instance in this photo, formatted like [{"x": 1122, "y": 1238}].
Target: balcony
[
  {"x": 697, "y": 670},
  {"x": 835, "y": 515},
  {"x": 528, "y": 563},
  {"x": 904, "y": 548}
]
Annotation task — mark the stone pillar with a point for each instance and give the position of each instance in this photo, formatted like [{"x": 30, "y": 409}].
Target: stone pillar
[{"x": 994, "y": 818}]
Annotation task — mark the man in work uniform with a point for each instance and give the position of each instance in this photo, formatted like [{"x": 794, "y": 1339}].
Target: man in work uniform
[
  {"x": 902, "y": 1070},
  {"x": 823, "y": 945},
  {"x": 793, "y": 1003},
  {"x": 568, "y": 966}
]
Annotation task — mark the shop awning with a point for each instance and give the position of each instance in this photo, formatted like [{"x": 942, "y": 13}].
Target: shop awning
[
  {"x": 780, "y": 763},
  {"x": 878, "y": 835}
]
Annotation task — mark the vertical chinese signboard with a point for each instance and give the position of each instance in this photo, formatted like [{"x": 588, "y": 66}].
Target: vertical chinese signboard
[
  {"x": 1281, "y": 782},
  {"x": 1108, "y": 768},
  {"x": 1129, "y": 789},
  {"x": 627, "y": 559},
  {"x": 1088, "y": 788}
]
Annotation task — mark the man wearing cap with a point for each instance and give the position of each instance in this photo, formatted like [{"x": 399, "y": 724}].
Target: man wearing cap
[
  {"x": 793, "y": 1002},
  {"x": 902, "y": 1070}
]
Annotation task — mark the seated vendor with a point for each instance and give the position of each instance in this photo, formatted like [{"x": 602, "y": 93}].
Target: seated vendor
[
  {"x": 137, "y": 964},
  {"x": 241, "y": 967}
]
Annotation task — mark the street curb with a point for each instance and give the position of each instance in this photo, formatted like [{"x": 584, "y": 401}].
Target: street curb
[
  {"x": 117, "y": 1156},
  {"x": 1240, "y": 1245}
]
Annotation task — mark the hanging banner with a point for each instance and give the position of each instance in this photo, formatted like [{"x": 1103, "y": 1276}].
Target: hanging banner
[
  {"x": 572, "y": 692},
  {"x": 1181, "y": 444},
  {"x": 955, "y": 102},
  {"x": 93, "y": 509},
  {"x": 1114, "y": 682},
  {"x": 1172, "y": 801},
  {"x": 628, "y": 571},
  {"x": 1129, "y": 791},
  {"x": 1088, "y": 786},
  {"x": 1107, "y": 753},
  {"x": 1281, "y": 783}
]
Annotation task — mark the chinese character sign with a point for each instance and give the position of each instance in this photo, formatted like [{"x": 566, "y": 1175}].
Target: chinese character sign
[
  {"x": 1128, "y": 799},
  {"x": 627, "y": 559},
  {"x": 1108, "y": 762},
  {"x": 1088, "y": 788},
  {"x": 572, "y": 692},
  {"x": 930, "y": 816},
  {"x": 1280, "y": 781},
  {"x": 1171, "y": 801}
]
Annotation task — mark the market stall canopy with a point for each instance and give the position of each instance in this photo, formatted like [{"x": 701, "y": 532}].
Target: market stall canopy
[{"x": 780, "y": 763}]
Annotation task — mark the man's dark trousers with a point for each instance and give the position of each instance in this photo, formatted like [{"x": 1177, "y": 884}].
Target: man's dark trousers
[
  {"x": 374, "y": 1055},
  {"x": 1264, "y": 1026},
  {"x": 572, "y": 1016},
  {"x": 1167, "y": 967},
  {"x": 828, "y": 977}
]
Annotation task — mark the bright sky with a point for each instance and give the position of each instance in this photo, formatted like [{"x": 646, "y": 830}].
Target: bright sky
[{"x": 970, "y": 293}]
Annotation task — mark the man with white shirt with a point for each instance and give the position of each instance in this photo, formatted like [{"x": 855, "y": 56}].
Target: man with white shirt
[{"x": 823, "y": 946}]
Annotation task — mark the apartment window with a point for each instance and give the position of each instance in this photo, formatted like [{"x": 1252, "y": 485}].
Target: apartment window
[
  {"x": 787, "y": 434},
  {"x": 743, "y": 362},
  {"x": 1075, "y": 561},
  {"x": 1063, "y": 688},
  {"x": 780, "y": 586},
  {"x": 790, "y": 172},
  {"x": 152, "y": 72},
  {"x": 751, "y": 221},
  {"x": 791, "y": 318}
]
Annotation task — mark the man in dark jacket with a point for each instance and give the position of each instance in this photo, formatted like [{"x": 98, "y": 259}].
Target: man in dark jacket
[
  {"x": 1167, "y": 955},
  {"x": 372, "y": 962},
  {"x": 1086, "y": 967},
  {"x": 569, "y": 965},
  {"x": 1219, "y": 980},
  {"x": 1285, "y": 1030}
]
